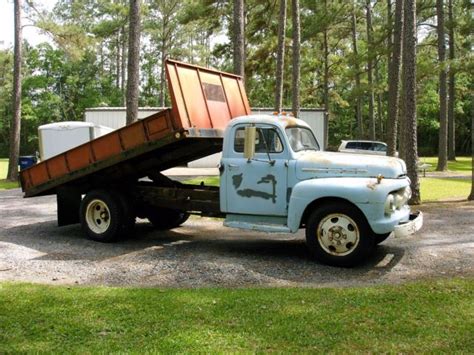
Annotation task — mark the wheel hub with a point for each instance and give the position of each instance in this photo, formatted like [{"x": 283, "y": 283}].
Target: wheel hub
[
  {"x": 338, "y": 234},
  {"x": 98, "y": 216}
]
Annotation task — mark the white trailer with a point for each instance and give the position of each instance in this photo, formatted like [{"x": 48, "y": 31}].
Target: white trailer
[{"x": 56, "y": 138}]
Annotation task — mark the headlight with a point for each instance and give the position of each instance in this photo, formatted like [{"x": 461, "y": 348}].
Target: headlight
[
  {"x": 389, "y": 206},
  {"x": 407, "y": 193},
  {"x": 399, "y": 200}
]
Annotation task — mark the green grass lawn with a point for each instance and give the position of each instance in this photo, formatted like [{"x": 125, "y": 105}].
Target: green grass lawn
[
  {"x": 438, "y": 189},
  {"x": 3, "y": 168},
  {"x": 3, "y": 175},
  {"x": 429, "y": 316},
  {"x": 462, "y": 164}
]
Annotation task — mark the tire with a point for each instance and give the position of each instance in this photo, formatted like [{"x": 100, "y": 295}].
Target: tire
[
  {"x": 379, "y": 238},
  {"x": 129, "y": 218},
  {"x": 102, "y": 216},
  {"x": 338, "y": 234},
  {"x": 165, "y": 218}
]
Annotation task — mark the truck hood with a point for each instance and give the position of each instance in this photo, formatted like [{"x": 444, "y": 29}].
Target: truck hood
[{"x": 311, "y": 164}]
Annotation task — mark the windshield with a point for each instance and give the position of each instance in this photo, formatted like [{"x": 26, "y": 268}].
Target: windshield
[{"x": 301, "y": 138}]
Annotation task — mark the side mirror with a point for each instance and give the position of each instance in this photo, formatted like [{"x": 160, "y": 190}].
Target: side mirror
[{"x": 249, "y": 142}]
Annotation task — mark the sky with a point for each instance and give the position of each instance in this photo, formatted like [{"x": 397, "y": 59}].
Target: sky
[{"x": 31, "y": 34}]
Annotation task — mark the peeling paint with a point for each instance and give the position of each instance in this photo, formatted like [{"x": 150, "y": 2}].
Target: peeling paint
[
  {"x": 237, "y": 180},
  {"x": 372, "y": 185},
  {"x": 255, "y": 193},
  {"x": 267, "y": 179}
]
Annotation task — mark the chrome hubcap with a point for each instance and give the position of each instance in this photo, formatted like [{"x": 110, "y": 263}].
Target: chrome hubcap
[
  {"x": 98, "y": 216},
  {"x": 338, "y": 234}
]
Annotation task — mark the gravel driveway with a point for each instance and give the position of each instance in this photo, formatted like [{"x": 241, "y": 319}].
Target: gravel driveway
[{"x": 204, "y": 253}]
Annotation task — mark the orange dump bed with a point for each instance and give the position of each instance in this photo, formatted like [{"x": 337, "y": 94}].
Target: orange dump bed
[{"x": 203, "y": 100}]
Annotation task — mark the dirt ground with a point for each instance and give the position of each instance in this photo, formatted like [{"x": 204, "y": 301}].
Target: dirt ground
[{"x": 204, "y": 253}]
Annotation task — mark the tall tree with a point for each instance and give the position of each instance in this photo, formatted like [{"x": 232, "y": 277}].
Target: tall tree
[
  {"x": 443, "y": 121},
  {"x": 239, "y": 37},
  {"x": 295, "y": 5},
  {"x": 394, "y": 79},
  {"x": 280, "y": 56},
  {"x": 451, "y": 87},
  {"x": 409, "y": 87},
  {"x": 360, "y": 125},
  {"x": 16, "y": 121},
  {"x": 370, "y": 68},
  {"x": 326, "y": 72},
  {"x": 123, "y": 64},
  {"x": 471, "y": 196},
  {"x": 133, "y": 69}
]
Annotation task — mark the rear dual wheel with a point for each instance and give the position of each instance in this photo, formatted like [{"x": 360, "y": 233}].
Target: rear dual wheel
[
  {"x": 165, "y": 218},
  {"x": 106, "y": 215}
]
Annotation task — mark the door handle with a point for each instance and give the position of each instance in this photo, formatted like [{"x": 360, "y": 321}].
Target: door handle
[{"x": 234, "y": 166}]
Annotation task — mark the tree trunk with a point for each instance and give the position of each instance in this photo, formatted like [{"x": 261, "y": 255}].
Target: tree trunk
[
  {"x": 443, "y": 122},
  {"x": 401, "y": 119},
  {"x": 133, "y": 61},
  {"x": 471, "y": 196},
  {"x": 164, "y": 50},
  {"x": 239, "y": 38},
  {"x": 117, "y": 61},
  {"x": 409, "y": 87},
  {"x": 451, "y": 88},
  {"x": 370, "y": 67},
  {"x": 123, "y": 65},
  {"x": 380, "y": 113},
  {"x": 389, "y": 31},
  {"x": 360, "y": 126},
  {"x": 394, "y": 80},
  {"x": 296, "y": 57},
  {"x": 16, "y": 121},
  {"x": 326, "y": 85},
  {"x": 280, "y": 57}
]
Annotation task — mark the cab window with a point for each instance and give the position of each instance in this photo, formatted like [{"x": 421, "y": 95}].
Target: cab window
[{"x": 266, "y": 137}]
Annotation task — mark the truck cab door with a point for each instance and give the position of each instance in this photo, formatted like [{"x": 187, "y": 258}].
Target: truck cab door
[{"x": 256, "y": 186}]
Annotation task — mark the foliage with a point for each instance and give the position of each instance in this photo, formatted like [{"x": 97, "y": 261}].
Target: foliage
[
  {"x": 428, "y": 316},
  {"x": 86, "y": 64}
]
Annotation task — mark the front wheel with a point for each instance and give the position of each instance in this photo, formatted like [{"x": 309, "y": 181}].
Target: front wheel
[{"x": 338, "y": 234}]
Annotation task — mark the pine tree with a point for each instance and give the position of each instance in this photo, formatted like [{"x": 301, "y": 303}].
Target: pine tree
[
  {"x": 443, "y": 121},
  {"x": 409, "y": 87},
  {"x": 239, "y": 37},
  {"x": 280, "y": 57},
  {"x": 394, "y": 79},
  {"x": 133, "y": 69},
  {"x": 296, "y": 57},
  {"x": 16, "y": 121}
]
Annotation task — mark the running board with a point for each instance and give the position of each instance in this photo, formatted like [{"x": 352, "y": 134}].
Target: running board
[{"x": 257, "y": 223}]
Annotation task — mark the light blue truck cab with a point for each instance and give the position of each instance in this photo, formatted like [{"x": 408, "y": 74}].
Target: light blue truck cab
[{"x": 276, "y": 178}]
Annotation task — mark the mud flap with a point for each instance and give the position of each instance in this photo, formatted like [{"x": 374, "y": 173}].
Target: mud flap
[{"x": 68, "y": 201}]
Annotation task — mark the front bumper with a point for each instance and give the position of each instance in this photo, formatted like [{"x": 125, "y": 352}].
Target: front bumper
[{"x": 412, "y": 226}]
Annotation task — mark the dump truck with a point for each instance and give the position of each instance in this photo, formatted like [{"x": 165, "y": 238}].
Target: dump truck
[{"x": 274, "y": 177}]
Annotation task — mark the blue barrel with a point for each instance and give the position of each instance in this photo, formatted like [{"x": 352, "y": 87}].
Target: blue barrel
[{"x": 26, "y": 161}]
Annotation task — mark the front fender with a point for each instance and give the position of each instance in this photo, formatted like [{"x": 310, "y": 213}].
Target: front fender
[{"x": 366, "y": 193}]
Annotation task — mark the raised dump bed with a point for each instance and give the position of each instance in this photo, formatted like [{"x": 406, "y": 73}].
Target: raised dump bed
[{"x": 203, "y": 102}]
